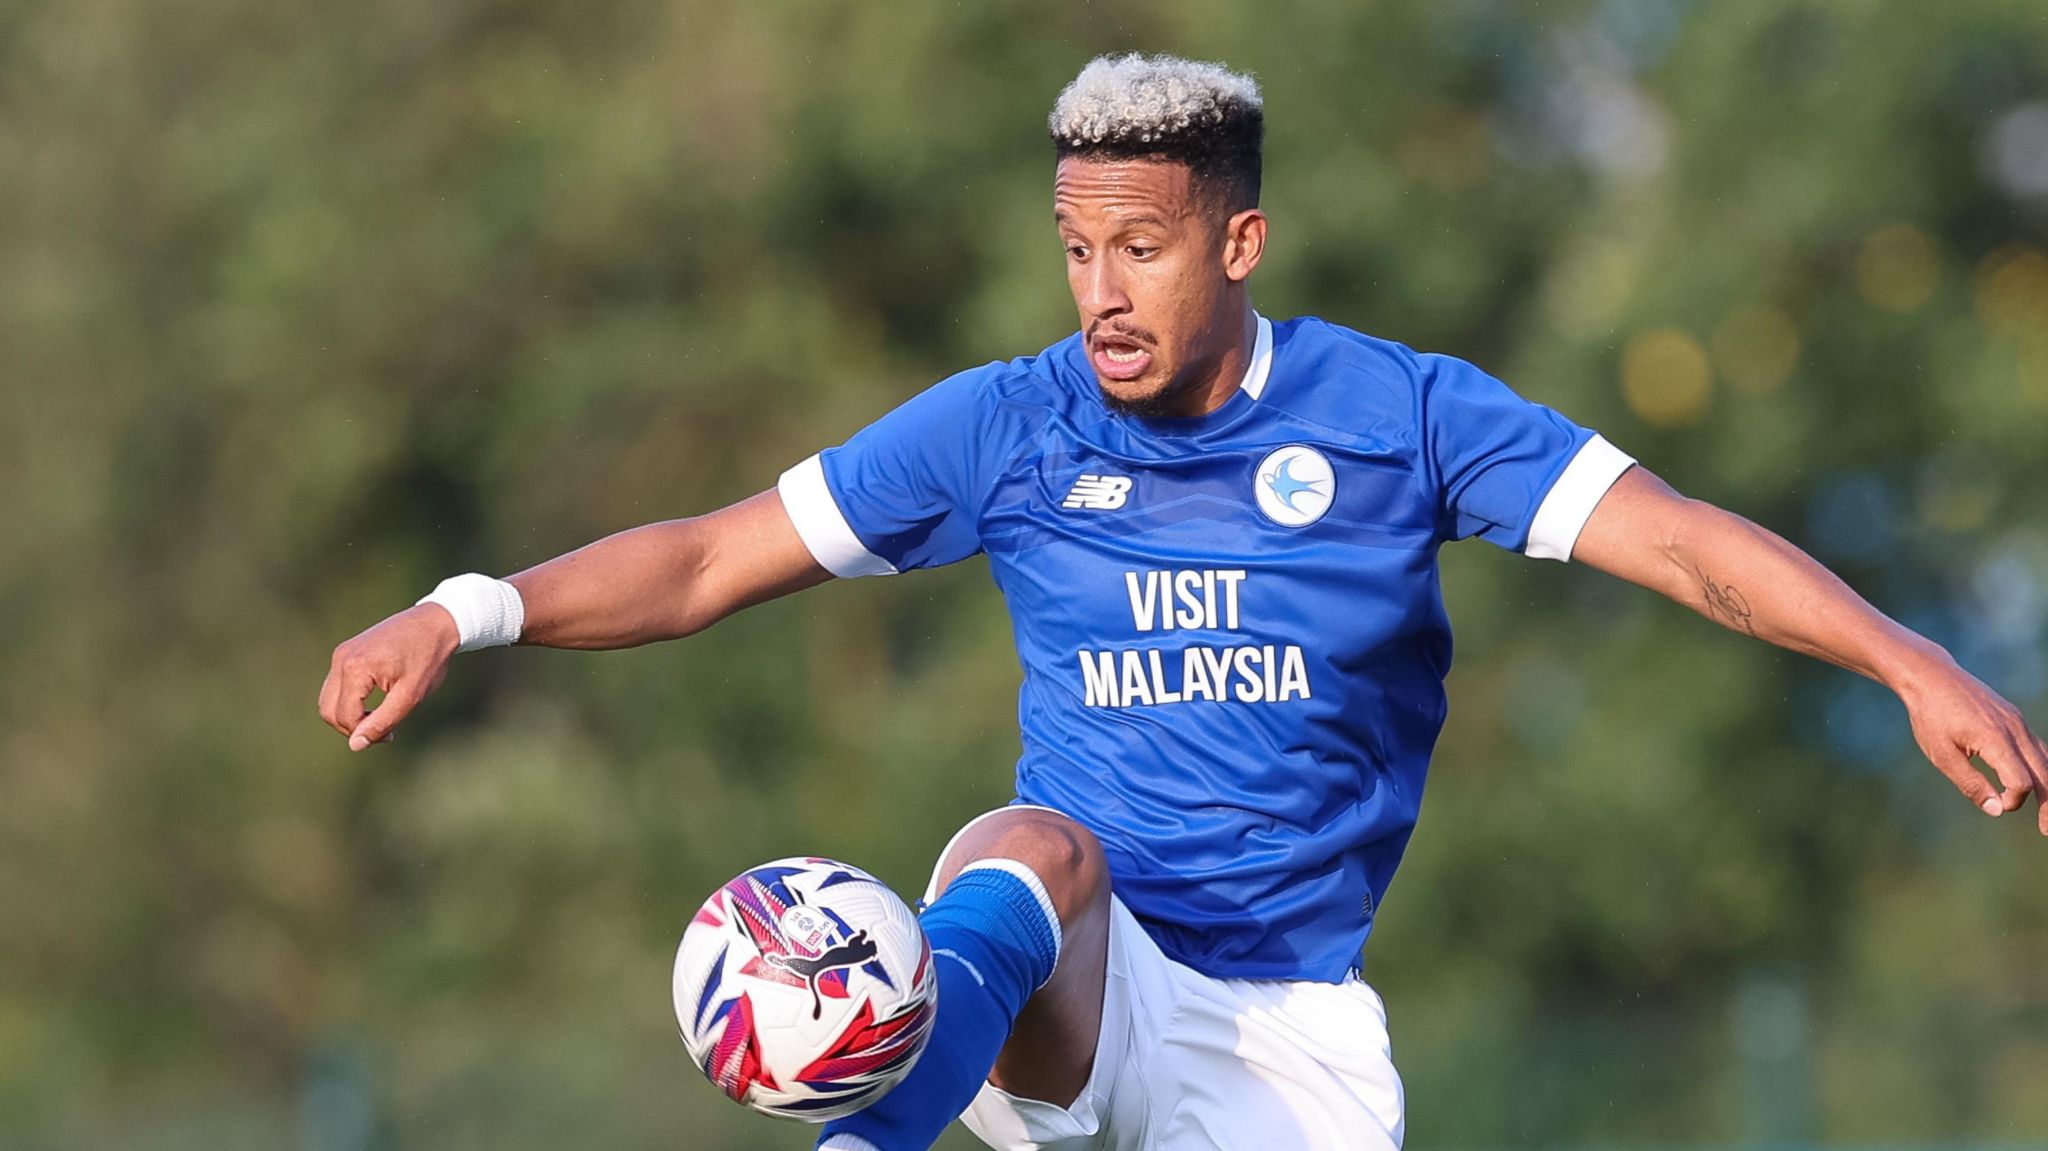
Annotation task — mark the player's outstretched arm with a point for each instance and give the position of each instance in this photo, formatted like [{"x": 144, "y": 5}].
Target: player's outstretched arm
[
  {"x": 1748, "y": 579},
  {"x": 657, "y": 582}
]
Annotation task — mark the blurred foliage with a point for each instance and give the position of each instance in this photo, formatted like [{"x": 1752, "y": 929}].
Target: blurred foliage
[{"x": 304, "y": 305}]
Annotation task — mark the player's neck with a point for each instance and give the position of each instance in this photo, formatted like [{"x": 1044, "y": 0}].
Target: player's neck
[{"x": 1214, "y": 387}]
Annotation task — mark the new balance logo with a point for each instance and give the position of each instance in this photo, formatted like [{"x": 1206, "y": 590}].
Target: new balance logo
[{"x": 1099, "y": 493}]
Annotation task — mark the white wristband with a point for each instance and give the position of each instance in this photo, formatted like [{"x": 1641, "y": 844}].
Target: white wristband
[{"x": 488, "y": 612}]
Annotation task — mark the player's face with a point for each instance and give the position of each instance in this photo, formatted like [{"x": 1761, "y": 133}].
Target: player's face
[{"x": 1155, "y": 270}]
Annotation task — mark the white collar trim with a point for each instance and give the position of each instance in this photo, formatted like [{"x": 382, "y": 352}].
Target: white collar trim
[{"x": 1262, "y": 360}]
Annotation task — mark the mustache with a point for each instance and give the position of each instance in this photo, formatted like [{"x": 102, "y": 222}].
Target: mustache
[{"x": 1122, "y": 329}]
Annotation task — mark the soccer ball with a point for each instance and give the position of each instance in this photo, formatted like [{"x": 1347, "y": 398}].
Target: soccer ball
[{"x": 805, "y": 989}]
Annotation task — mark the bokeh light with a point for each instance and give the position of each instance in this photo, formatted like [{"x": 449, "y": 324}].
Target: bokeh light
[
  {"x": 1898, "y": 268},
  {"x": 1852, "y": 516},
  {"x": 2033, "y": 369},
  {"x": 1756, "y": 347},
  {"x": 1954, "y": 494},
  {"x": 2016, "y": 151},
  {"x": 1665, "y": 378},
  {"x": 2012, "y": 292}
]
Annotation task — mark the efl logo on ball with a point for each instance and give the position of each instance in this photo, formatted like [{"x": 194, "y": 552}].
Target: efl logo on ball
[
  {"x": 805, "y": 928},
  {"x": 804, "y": 989}
]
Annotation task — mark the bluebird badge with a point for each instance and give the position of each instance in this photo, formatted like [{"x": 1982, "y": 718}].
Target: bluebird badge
[{"x": 1295, "y": 486}]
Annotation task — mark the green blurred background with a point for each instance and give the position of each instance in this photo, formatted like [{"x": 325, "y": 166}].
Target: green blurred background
[{"x": 304, "y": 305}]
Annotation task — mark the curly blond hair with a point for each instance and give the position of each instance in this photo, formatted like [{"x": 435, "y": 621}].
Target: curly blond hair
[{"x": 1166, "y": 108}]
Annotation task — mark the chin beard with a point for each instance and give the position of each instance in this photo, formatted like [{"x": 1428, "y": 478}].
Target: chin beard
[{"x": 1161, "y": 403}]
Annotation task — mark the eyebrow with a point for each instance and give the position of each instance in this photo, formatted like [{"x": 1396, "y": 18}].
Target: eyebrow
[{"x": 1127, "y": 222}]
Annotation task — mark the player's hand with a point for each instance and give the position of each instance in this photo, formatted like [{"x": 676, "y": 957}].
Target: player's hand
[
  {"x": 1956, "y": 718},
  {"x": 405, "y": 657}
]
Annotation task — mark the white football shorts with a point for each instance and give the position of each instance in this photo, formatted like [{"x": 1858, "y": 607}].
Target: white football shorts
[{"x": 1187, "y": 1062}]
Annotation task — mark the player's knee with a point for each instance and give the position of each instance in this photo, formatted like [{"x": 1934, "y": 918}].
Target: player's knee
[{"x": 1065, "y": 856}]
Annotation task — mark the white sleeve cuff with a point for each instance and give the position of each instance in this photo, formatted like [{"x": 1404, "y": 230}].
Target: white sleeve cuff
[
  {"x": 821, "y": 525},
  {"x": 1564, "y": 512}
]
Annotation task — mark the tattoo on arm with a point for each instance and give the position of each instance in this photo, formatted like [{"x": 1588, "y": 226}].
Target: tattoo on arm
[{"x": 1725, "y": 603}]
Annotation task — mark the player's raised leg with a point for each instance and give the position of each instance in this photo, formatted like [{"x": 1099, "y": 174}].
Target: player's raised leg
[
  {"x": 1020, "y": 931},
  {"x": 1052, "y": 1047}
]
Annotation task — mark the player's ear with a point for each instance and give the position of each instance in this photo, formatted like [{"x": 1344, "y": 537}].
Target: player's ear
[{"x": 1244, "y": 242}]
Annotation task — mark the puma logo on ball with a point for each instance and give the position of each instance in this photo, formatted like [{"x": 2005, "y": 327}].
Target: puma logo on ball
[{"x": 855, "y": 951}]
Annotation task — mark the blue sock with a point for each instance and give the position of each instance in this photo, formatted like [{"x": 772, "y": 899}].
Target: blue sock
[{"x": 996, "y": 939}]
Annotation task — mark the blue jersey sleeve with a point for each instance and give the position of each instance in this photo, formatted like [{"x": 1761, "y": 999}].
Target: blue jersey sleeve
[
  {"x": 1511, "y": 472},
  {"x": 905, "y": 492}
]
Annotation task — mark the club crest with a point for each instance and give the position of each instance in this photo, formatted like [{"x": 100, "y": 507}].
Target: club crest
[{"x": 1295, "y": 485}]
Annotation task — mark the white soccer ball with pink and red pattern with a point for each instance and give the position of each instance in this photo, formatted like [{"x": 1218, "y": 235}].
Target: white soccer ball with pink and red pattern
[{"x": 805, "y": 989}]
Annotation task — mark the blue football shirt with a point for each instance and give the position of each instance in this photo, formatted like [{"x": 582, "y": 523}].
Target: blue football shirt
[{"x": 1230, "y": 626}]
